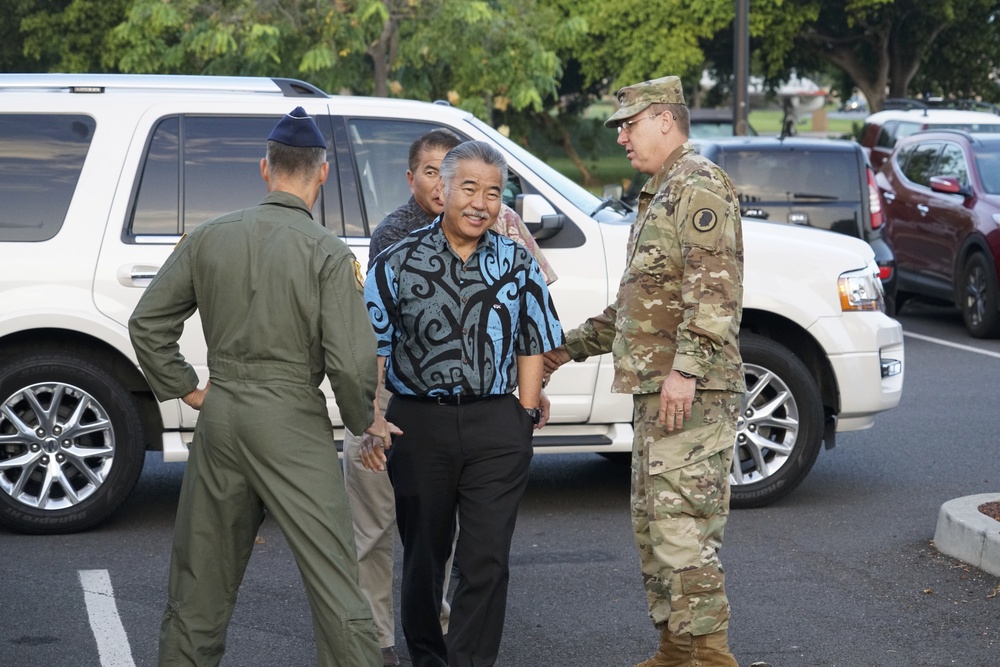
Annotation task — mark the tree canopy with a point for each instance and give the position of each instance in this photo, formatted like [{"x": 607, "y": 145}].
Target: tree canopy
[{"x": 497, "y": 57}]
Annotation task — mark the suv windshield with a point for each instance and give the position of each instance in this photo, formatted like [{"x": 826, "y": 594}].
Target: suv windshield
[
  {"x": 580, "y": 198},
  {"x": 988, "y": 164}
]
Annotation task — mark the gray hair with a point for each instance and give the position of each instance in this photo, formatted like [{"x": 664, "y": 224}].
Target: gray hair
[
  {"x": 473, "y": 150},
  {"x": 294, "y": 161},
  {"x": 680, "y": 112}
]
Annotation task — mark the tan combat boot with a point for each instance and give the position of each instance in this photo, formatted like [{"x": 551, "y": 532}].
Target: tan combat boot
[
  {"x": 711, "y": 651},
  {"x": 674, "y": 651}
]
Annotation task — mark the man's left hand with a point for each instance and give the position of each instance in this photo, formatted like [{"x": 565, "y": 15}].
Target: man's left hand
[
  {"x": 676, "y": 397},
  {"x": 544, "y": 404}
]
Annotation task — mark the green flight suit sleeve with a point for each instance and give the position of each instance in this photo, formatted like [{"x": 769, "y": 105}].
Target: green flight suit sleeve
[
  {"x": 348, "y": 343},
  {"x": 594, "y": 337},
  {"x": 158, "y": 322}
]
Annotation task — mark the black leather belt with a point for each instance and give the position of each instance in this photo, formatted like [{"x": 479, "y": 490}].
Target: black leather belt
[{"x": 455, "y": 399}]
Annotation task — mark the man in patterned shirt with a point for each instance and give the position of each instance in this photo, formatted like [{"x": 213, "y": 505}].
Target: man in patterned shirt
[
  {"x": 372, "y": 504},
  {"x": 462, "y": 316},
  {"x": 674, "y": 333}
]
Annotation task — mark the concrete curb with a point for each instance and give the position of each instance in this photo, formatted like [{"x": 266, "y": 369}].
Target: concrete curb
[{"x": 965, "y": 533}]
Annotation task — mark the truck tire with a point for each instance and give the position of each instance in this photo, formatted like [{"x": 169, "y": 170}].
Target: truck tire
[
  {"x": 71, "y": 443},
  {"x": 780, "y": 429}
]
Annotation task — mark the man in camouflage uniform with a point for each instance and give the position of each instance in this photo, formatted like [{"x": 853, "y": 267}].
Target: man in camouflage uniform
[{"x": 673, "y": 330}]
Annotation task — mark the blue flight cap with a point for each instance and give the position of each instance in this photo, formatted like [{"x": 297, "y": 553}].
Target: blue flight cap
[{"x": 299, "y": 130}]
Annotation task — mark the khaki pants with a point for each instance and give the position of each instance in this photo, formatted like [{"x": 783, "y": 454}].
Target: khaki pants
[{"x": 373, "y": 510}]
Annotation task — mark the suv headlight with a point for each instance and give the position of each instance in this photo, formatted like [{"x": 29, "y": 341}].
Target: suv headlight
[{"x": 861, "y": 290}]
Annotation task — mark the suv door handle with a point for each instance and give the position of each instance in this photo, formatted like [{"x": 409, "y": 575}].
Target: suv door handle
[
  {"x": 923, "y": 208},
  {"x": 137, "y": 275},
  {"x": 889, "y": 197}
]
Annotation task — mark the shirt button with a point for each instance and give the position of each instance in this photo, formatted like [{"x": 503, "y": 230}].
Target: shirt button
[
  {"x": 465, "y": 299},
  {"x": 465, "y": 332},
  {"x": 465, "y": 361}
]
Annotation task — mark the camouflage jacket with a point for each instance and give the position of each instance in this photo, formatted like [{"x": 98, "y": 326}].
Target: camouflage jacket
[{"x": 680, "y": 299}]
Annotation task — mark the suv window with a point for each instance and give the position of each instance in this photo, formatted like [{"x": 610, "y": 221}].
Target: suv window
[
  {"x": 887, "y": 136},
  {"x": 221, "y": 171},
  {"x": 380, "y": 148},
  {"x": 988, "y": 164},
  {"x": 952, "y": 163},
  {"x": 789, "y": 175},
  {"x": 41, "y": 157},
  {"x": 918, "y": 167},
  {"x": 902, "y": 155}
]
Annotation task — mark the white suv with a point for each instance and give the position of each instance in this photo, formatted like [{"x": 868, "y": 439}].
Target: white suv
[{"x": 101, "y": 174}]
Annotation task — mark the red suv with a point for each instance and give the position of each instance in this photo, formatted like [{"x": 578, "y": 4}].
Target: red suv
[{"x": 942, "y": 220}]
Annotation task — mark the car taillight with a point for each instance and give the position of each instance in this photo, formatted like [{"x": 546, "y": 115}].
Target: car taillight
[{"x": 874, "y": 200}]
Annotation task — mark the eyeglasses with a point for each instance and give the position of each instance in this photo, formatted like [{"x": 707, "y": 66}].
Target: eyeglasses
[{"x": 626, "y": 125}]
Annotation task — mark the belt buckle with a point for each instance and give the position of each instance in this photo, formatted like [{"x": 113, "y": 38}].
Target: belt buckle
[{"x": 445, "y": 399}]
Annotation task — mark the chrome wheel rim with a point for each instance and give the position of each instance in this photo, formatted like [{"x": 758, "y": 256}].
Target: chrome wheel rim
[
  {"x": 767, "y": 429},
  {"x": 57, "y": 446},
  {"x": 975, "y": 295}
]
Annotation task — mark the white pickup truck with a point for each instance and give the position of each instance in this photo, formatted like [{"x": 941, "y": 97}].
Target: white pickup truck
[{"x": 101, "y": 174}]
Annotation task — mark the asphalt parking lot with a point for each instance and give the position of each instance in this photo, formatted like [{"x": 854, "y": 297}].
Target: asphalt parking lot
[{"x": 842, "y": 573}]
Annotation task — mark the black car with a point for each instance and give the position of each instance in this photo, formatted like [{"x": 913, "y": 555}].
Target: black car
[{"x": 822, "y": 183}]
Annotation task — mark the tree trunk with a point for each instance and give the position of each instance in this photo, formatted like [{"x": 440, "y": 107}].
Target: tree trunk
[
  {"x": 548, "y": 122},
  {"x": 872, "y": 79},
  {"x": 382, "y": 52}
]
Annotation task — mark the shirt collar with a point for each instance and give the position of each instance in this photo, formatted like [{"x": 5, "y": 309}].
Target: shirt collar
[
  {"x": 415, "y": 212},
  {"x": 287, "y": 200},
  {"x": 441, "y": 241},
  {"x": 652, "y": 186}
]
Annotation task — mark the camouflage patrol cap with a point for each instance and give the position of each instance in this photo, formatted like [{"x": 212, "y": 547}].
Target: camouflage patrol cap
[{"x": 633, "y": 99}]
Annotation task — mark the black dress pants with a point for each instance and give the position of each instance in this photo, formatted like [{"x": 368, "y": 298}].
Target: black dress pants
[{"x": 475, "y": 458}]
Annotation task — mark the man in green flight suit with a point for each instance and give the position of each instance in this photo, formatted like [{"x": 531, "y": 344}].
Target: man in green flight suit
[{"x": 280, "y": 300}]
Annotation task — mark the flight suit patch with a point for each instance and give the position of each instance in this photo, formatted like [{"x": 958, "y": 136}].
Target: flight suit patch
[{"x": 359, "y": 276}]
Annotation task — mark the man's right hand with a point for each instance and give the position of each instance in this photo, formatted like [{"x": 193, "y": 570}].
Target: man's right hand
[
  {"x": 553, "y": 360},
  {"x": 196, "y": 397}
]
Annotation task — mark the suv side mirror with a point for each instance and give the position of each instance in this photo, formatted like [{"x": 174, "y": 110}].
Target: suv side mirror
[
  {"x": 948, "y": 185},
  {"x": 539, "y": 217}
]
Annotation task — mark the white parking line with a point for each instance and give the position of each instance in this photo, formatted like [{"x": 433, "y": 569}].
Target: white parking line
[
  {"x": 112, "y": 642},
  {"x": 948, "y": 343}
]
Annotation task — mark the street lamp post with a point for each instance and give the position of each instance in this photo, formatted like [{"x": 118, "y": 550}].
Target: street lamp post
[{"x": 741, "y": 67}]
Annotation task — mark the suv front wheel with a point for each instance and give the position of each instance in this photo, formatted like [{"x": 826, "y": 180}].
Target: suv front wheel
[
  {"x": 71, "y": 443},
  {"x": 780, "y": 428}
]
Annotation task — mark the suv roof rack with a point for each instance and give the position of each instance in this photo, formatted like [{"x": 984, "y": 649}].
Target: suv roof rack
[
  {"x": 100, "y": 83},
  {"x": 947, "y": 130}
]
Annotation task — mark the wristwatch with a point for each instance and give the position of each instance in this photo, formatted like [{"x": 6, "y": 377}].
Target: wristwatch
[{"x": 535, "y": 414}]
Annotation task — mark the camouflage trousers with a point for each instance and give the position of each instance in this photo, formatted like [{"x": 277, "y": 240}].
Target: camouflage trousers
[{"x": 680, "y": 503}]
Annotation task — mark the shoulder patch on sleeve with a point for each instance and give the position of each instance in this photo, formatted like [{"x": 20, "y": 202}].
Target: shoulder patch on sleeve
[
  {"x": 704, "y": 220},
  {"x": 359, "y": 276}
]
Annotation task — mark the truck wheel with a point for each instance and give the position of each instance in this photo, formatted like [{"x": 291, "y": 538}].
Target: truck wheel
[
  {"x": 780, "y": 427},
  {"x": 71, "y": 443},
  {"x": 978, "y": 299}
]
